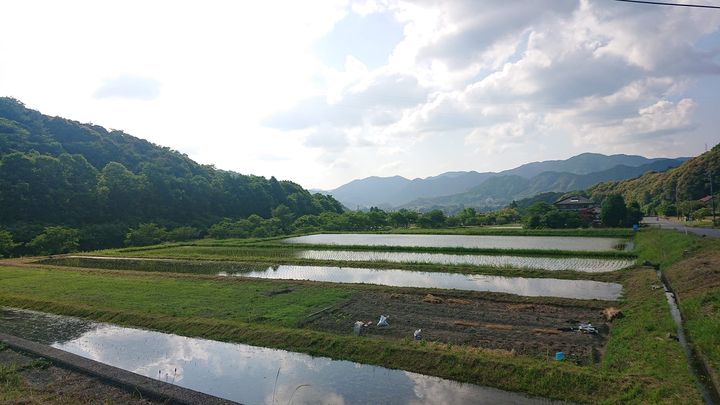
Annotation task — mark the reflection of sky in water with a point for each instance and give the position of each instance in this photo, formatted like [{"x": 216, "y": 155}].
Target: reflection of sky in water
[
  {"x": 531, "y": 287},
  {"x": 247, "y": 373},
  {"x": 465, "y": 241},
  {"x": 543, "y": 263}
]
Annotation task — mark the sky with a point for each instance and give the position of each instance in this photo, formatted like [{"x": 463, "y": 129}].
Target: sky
[{"x": 324, "y": 92}]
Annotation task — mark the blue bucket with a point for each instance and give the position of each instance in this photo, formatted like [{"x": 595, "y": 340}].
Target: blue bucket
[{"x": 559, "y": 356}]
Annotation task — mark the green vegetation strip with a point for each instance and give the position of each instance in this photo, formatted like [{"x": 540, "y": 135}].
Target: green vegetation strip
[
  {"x": 265, "y": 313},
  {"x": 280, "y": 249}
]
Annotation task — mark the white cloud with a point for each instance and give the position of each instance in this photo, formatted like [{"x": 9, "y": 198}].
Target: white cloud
[{"x": 131, "y": 87}]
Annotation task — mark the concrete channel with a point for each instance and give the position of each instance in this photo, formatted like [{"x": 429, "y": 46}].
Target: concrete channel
[{"x": 155, "y": 390}]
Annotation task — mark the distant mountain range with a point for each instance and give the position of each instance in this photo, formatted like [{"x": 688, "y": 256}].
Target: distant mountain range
[{"x": 452, "y": 191}]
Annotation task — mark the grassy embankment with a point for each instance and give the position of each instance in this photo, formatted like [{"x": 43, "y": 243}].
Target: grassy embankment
[{"x": 691, "y": 265}]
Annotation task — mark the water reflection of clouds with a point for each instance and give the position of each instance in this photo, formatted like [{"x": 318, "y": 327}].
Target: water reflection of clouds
[
  {"x": 228, "y": 370},
  {"x": 247, "y": 374},
  {"x": 432, "y": 390},
  {"x": 534, "y": 287}
]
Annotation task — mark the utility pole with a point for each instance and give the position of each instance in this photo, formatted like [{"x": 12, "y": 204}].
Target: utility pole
[{"x": 712, "y": 196}]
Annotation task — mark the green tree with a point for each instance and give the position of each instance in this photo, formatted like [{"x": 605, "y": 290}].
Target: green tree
[
  {"x": 306, "y": 223},
  {"x": 284, "y": 216},
  {"x": 6, "y": 243},
  {"x": 613, "y": 211},
  {"x": 467, "y": 216},
  {"x": 702, "y": 213},
  {"x": 536, "y": 215},
  {"x": 55, "y": 240},
  {"x": 146, "y": 234},
  {"x": 377, "y": 218},
  {"x": 634, "y": 214},
  {"x": 432, "y": 219},
  {"x": 183, "y": 233},
  {"x": 667, "y": 209}
]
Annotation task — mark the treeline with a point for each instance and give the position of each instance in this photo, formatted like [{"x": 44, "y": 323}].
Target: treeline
[
  {"x": 373, "y": 220},
  {"x": 59, "y": 174},
  {"x": 614, "y": 213},
  {"x": 282, "y": 221}
]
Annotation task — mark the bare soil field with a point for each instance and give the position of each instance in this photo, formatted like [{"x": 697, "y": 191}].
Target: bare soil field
[{"x": 525, "y": 328}]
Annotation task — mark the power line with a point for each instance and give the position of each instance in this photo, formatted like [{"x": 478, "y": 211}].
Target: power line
[{"x": 662, "y": 3}]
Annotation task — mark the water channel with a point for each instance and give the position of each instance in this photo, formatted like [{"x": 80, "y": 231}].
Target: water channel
[
  {"x": 243, "y": 373},
  {"x": 702, "y": 377},
  {"x": 467, "y": 241}
]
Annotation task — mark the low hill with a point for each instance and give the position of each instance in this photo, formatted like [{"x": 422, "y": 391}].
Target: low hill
[
  {"x": 54, "y": 171},
  {"x": 687, "y": 182}
]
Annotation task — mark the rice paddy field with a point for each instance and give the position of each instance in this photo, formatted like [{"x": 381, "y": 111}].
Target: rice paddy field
[{"x": 494, "y": 310}]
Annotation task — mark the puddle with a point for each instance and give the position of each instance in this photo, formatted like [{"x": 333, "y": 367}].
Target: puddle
[
  {"x": 466, "y": 241},
  {"x": 243, "y": 373},
  {"x": 540, "y": 263},
  {"x": 531, "y": 287}
]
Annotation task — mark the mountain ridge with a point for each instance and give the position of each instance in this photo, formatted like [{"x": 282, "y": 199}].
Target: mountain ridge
[{"x": 399, "y": 192}]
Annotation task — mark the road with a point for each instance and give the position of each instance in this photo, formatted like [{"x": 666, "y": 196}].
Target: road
[{"x": 665, "y": 223}]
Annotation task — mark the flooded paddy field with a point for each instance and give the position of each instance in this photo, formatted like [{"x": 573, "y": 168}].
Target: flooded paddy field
[
  {"x": 244, "y": 373},
  {"x": 524, "y": 328},
  {"x": 540, "y": 263},
  {"x": 531, "y": 287},
  {"x": 582, "y": 244}
]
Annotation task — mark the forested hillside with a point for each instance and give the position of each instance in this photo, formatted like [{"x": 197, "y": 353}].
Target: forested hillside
[
  {"x": 669, "y": 191},
  {"x": 55, "y": 171}
]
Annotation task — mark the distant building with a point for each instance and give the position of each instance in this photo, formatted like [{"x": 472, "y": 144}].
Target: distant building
[
  {"x": 587, "y": 208},
  {"x": 706, "y": 199},
  {"x": 575, "y": 203}
]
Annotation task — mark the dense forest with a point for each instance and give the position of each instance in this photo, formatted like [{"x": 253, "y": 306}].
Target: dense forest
[{"x": 57, "y": 173}]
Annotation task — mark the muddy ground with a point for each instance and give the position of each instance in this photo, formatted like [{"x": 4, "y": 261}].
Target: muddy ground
[
  {"x": 531, "y": 329},
  {"x": 25, "y": 379}
]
